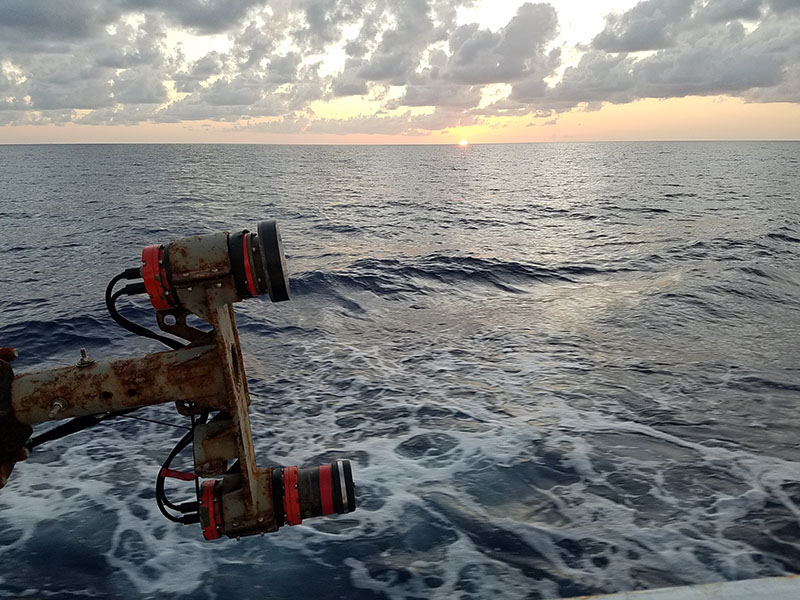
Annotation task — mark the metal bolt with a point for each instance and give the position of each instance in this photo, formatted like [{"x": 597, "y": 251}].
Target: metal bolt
[
  {"x": 219, "y": 285},
  {"x": 260, "y": 519},
  {"x": 235, "y": 524},
  {"x": 189, "y": 289},
  {"x": 84, "y": 360},
  {"x": 56, "y": 407}
]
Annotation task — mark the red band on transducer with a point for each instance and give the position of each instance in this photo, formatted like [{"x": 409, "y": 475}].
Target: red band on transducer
[
  {"x": 207, "y": 501},
  {"x": 326, "y": 489},
  {"x": 291, "y": 500},
  {"x": 155, "y": 276},
  {"x": 248, "y": 271}
]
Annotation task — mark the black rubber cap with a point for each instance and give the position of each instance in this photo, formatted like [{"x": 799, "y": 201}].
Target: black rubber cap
[{"x": 269, "y": 239}]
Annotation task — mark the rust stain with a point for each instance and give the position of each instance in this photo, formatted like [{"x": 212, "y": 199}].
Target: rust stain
[
  {"x": 210, "y": 375},
  {"x": 189, "y": 375},
  {"x": 189, "y": 264}
]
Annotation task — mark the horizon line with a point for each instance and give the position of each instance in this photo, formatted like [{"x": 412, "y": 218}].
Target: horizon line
[{"x": 608, "y": 141}]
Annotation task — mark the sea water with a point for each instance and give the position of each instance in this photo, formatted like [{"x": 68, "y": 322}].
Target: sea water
[{"x": 557, "y": 369}]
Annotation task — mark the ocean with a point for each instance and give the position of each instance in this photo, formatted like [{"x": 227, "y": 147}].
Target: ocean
[{"x": 557, "y": 369}]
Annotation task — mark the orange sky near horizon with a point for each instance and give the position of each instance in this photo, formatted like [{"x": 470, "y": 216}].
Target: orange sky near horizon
[{"x": 691, "y": 118}]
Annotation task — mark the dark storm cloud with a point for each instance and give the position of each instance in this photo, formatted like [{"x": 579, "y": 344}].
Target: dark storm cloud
[{"x": 110, "y": 62}]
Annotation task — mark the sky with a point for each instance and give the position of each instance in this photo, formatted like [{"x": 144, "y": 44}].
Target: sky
[{"x": 404, "y": 71}]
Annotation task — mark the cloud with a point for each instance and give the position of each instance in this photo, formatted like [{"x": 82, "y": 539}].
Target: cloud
[
  {"x": 723, "y": 11},
  {"x": 650, "y": 25},
  {"x": 507, "y": 107},
  {"x": 405, "y": 124},
  {"x": 598, "y": 77},
  {"x": 293, "y": 123},
  {"x": 440, "y": 94},
  {"x": 202, "y": 16},
  {"x": 398, "y": 54},
  {"x": 202, "y": 70},
  {"x": 126, "y": 66},
  {"x": 117, "y": 60},
  {"x": 348, "y": 82},
  {"x": 782, "y": 6},
  {"x": 23, "y": 20},
  {"x": 142, "y": 87},
  {"x": 707, "y": 52},
  {"x": 324, "y": 20},
  {"x": 516, "y": 52}
]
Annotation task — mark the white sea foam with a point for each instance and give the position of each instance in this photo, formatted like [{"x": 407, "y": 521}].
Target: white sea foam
[{"x": 545, "y": 389}]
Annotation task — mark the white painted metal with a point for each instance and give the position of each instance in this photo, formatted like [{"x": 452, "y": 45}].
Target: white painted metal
[{"x": 773, "y": 588}]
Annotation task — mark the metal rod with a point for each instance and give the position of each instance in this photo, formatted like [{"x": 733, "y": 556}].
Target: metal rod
[{"x": 191, "y": 374}]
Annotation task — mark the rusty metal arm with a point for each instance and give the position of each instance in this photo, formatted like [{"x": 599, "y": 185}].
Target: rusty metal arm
[
  {"x": 191, "y": 375},
  {"x": 203, "y": 276}
]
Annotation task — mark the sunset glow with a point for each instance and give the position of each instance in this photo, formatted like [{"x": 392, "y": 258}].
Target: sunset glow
[{"x": 463, "y": 143}]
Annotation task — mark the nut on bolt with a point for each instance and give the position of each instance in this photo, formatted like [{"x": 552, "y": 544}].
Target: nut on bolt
[
  {"x": 84, "y": 360},
  {"x": 56, "y": 407}
]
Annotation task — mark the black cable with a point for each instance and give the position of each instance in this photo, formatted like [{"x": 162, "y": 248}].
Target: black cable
[
  {"x": 190, "y": 509},
  {"x": 161, "y": 498},
  {"x": 73, "y": 426},
  {"x": 80, "y": 423},
  {"x": 119, "y": 414},
  {"x": 111, "y": 301}
]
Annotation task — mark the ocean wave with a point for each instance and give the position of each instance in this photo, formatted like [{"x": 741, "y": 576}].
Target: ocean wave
[{"x": 436, "y": 273}]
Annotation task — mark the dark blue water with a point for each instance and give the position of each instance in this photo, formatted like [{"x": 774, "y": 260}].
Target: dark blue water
[{"x": 558, "y": 369}]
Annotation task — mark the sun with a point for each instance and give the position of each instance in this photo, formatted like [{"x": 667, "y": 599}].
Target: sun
[{"x": 463, "y": 143}]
